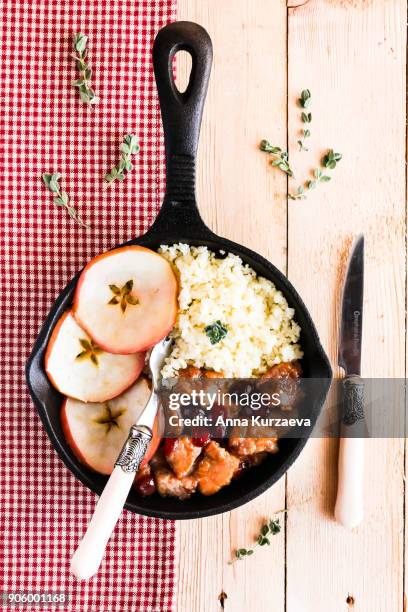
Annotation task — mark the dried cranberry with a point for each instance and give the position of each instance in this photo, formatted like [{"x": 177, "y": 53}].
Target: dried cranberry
[
  {"x": 145, "y": 485},
  {"x": 201, "y": 440},
  {"x": 168, "y": 445}
]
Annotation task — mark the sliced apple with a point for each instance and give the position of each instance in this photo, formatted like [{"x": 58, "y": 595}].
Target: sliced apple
[
  {"x": 126, "y": 299},
  {"x": 77, "y": 367},
  {"x": 97, "y": 432}
]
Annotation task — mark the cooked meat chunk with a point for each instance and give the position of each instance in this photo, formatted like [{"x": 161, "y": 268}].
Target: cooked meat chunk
[
  {"x": 195, "y": 378},
  {"x": 168, "y": 485},
  {"x": 181, "y": 454},
  {"x": 213, "y": 374},
  {"x": 244, "y": 447},
  {"x": 290, "y": 369},
  {"x": 253, "y": 439},
  {"x": 215, "y": 469},
  {"x": 287, "y": 377},
  {"x": 192, "y": 372}
]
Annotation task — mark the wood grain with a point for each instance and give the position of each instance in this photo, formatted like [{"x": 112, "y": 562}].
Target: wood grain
[
  {"x": 351, "y": 54},
  {"x": 353, "y": 60},
  {"x": 242, "y": 199}
]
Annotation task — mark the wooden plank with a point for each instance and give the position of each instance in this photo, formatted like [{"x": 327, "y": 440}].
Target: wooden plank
[
  {"x": 352, "y": 57},
  {"x": 241, "y": 198}
]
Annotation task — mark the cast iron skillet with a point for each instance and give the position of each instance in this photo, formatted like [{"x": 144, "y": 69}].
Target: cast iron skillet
[{"x": 180, "y": 221}]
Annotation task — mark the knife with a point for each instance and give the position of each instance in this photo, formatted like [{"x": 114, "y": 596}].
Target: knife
[{"x": 349, "y": 503}]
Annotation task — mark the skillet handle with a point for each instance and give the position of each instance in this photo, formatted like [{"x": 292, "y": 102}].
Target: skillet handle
[{"x": 181, "y": 115}]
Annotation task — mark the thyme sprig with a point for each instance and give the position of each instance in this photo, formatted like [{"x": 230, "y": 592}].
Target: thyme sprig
[
  {"x": 281, "y": 158},
  {"x": 130, "y": 146},
  {"x": 271, "y": 528},
  {"x": 83, "y": 84},
  {"x": 318, "y": 177},
  {"x": 306, "y": 118},
  {"x": 61, "y": 197}
]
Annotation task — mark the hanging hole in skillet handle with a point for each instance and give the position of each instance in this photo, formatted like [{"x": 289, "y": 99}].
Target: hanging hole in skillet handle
[
  {"x": 182, "y": 64},
  {"x": 181, "y": 115}
]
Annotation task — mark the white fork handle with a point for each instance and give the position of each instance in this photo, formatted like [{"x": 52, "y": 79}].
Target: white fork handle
[
  {"x": 349, "y": 503},
  {"x": 88, "y": 556}
]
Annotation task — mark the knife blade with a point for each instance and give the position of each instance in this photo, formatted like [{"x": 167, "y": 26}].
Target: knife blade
[{"x": 351, "y": 326}]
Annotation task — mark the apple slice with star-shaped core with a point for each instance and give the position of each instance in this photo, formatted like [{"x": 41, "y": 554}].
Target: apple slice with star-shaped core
[
  {"x": 96, "y": 432},
  {"x": 80, "y": 369},
  {"x": 126, "y": 299}
]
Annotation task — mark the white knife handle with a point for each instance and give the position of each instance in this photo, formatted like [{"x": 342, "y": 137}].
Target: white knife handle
[
  {"x": 350, "y": 489},
  {"x": 88, "y": 556},
  {"x": 349, "y": 503}
]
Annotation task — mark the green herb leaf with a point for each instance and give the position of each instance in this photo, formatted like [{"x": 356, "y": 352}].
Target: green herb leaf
[
  {"x": 268, "y": 148},
  {"x": 47, "y": 178},
  {"x": 262, "y": 540},
  {"x": 331, "y": 159},
  {"x": 216, "y": 332},
  {"x": 53, "y": 185},
  {"x": 306, "y": 117},
  {"x": 274, "y": 526},
  {"x": 80, "y": 42},
  {"x": 305, "y": 98},
  {"x": 128, "y": 147}
]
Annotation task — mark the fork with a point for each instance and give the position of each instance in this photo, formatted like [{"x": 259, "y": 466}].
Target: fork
[{"x": 88, "y": 556}]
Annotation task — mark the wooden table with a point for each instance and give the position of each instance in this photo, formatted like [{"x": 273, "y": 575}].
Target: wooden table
[{"x": 351, "y": 54}]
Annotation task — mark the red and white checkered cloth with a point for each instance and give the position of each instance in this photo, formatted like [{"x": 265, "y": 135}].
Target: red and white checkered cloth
[{"x": 46, "y": 128}]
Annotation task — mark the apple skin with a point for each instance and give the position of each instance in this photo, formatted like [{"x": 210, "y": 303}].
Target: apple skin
[
  {"x": 172, "y": 307},
  {"x": 153, "y": 446},
  {"x": 68, "y": 436},
  {"x": 95, "y": 395}
]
